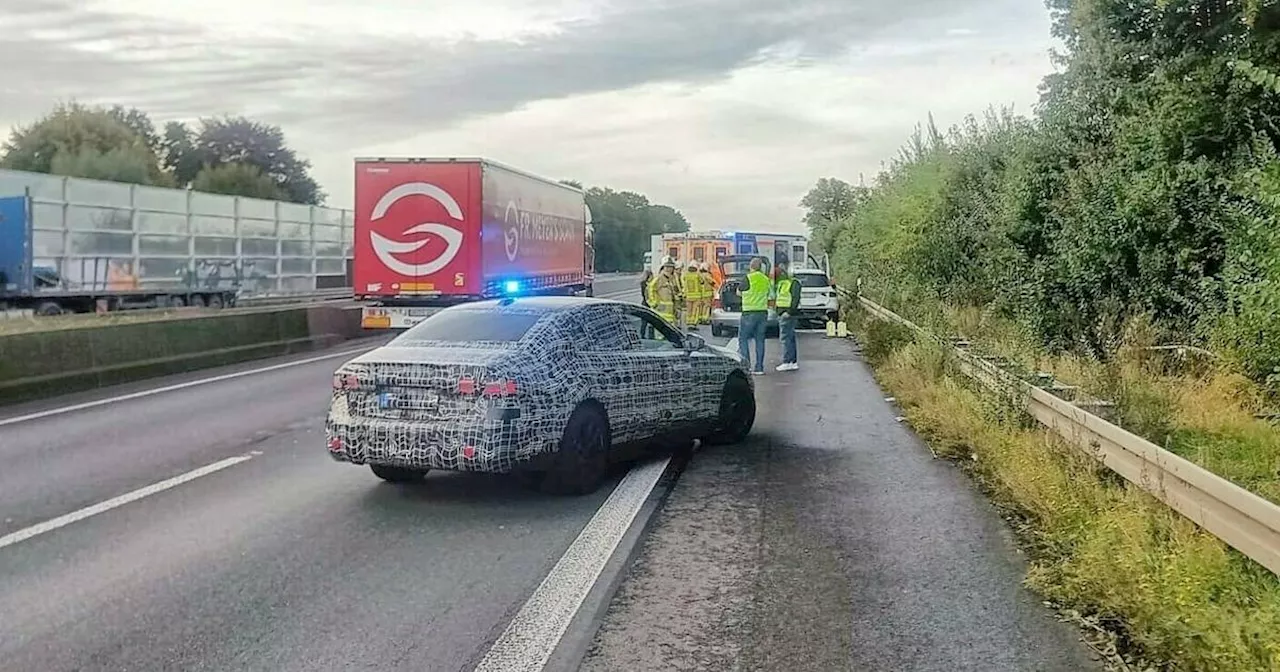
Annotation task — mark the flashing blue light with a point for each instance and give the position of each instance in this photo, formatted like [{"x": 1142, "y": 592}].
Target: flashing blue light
[{"x": 511, "y": 287}]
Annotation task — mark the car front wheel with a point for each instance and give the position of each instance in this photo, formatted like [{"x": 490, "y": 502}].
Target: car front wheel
[
  {"x": 737, "y": 413},
  {"x": 582, "y": 459},
  {"x": 398, "y": 474}
]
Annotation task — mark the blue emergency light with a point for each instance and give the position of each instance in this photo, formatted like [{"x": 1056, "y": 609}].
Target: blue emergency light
[{"x": 511, "y": 287}]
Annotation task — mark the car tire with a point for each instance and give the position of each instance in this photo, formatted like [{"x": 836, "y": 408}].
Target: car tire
[
  {"x": 582, "y": 459},
  {"x": 398, "y": 474},
  {"x": 737, "y": 413}
]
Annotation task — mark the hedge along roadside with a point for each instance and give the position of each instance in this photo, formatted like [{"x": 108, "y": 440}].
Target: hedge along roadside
[{"x": 42, "y": 364}]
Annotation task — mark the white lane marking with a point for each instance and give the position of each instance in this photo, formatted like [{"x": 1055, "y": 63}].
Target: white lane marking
[
  {"x": 178, "y": 386},
  {"x": 536, "y": 630},
  {"x": 114, "y": 502}
]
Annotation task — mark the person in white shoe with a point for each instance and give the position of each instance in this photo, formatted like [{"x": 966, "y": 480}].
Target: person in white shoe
[{"x": 788, "y": 302}]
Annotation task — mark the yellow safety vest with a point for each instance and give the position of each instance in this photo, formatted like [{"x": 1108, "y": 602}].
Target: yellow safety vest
[
  {"x": 784, "y": 292},
  {"x": 756, "y": 297}
]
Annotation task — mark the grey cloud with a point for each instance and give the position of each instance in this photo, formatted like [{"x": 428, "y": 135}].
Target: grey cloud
[{"x": 370, "y": 89}]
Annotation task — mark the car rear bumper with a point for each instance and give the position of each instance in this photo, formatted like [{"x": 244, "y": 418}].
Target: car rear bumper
[
  {"x": 493, "y": 446},
  {"x": 724, "y": 319},
  {"x": 815, "y": 312}
]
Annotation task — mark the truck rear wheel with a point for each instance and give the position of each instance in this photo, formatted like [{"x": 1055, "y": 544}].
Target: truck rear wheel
[
  {"x": 48, "y": 308},
  {"x": 215, "y": 301}
]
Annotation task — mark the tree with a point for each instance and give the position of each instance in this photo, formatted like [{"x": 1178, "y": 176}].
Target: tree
[
  {"x": 122, "y": 144},
  {"x": 87, "y": 140},
  {"x": 140, "y": 123},
  {"x": 229, "y": 140},
  {"x": 624, "y": 222},
  {"x": 123, "y": 164},
  {"x": 238, "y": 179},
  {"x": 665, "y": 219},
  {"x": 830, "y": 200}
]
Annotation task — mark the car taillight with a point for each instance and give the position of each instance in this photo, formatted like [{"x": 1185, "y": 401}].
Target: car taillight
[
  {"x": 466, "y": 386},
  {"x": 715, "y": 302},
  {"x": 500, "y": 388},
  {"x": 346, "y": 381}
]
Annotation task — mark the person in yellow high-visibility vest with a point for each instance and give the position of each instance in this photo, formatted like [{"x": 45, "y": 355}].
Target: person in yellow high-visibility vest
[
  {"x": 754, "y": 318},
  {"x": 788, "y": 303},
  {"x": 708, "y": 292},
  {"x": 691, "y": 283},
  {"x": 664, "y": 291}
]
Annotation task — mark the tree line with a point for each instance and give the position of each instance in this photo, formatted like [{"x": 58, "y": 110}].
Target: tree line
[
  {"x": 238, "y": 156},
  {"x": 223, "y": 155},
  {"x": 1145, "y": 188},
  {"x": 624, "y": 222}
]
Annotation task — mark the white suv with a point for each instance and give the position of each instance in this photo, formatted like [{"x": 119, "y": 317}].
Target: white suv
[{"x": 818, "y": 299}]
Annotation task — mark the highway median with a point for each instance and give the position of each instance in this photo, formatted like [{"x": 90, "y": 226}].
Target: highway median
[{"x": 45, "y": 363}]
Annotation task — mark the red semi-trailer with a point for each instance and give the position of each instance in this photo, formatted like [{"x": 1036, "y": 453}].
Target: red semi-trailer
[{"x": 435, "y": 231}]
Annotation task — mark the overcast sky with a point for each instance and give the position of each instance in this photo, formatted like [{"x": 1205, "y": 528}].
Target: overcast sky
[{"x": 725, "y": 109}]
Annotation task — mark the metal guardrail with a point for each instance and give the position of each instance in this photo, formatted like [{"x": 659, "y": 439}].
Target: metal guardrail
[
  {"x": 302, "y": 297},
  {"x": 1241, "y": 519}
]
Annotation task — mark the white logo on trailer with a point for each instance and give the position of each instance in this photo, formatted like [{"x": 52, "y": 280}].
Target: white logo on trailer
[
  {"x": 511, "y": 237},
  {"x": 386, "y": 249}
]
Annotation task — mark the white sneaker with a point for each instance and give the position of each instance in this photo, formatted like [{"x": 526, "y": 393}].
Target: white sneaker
[
  {"x": 757, "y": 373},
  {"x": 784, "y": 367},
  {"x": 793, "y": 366}
]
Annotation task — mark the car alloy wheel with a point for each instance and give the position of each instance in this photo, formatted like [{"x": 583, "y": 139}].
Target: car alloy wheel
[
  {"x": 583, "y": 457},
  {"x": 737, "y": 413}
]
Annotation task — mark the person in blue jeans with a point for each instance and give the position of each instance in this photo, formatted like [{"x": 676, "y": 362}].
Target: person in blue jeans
[
  {"x": 788, "y": 302},
  {"x": 755, "y": 315}
]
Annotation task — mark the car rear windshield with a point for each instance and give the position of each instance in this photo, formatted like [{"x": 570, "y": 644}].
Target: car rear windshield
[
  {"x": 813, "y": 280},
  {"x": 456, "y": 326}
]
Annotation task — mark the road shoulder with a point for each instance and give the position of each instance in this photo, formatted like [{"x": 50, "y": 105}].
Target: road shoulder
[{"x": 832, "y": 540}]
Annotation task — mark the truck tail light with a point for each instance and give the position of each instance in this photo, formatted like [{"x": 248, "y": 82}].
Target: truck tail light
[{"x": 466, "y": 386}]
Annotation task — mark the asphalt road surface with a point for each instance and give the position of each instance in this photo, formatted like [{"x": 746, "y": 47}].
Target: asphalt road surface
[
  {"x": 271, "y": 558},
  {"x": 198, "y": 526},
  {"x": 830, "y": 540}
]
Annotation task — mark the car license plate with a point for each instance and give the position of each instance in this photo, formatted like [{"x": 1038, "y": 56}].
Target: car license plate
[{"x": 402, "y": 401}]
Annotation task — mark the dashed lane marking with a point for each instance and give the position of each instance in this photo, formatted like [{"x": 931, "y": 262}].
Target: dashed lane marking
[
  {"x": 532, "y": 636},
  {"x": 115, "y": 502}
]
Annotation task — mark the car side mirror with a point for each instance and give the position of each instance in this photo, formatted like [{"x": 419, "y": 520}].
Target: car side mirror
[{"x": 694, "y": 342}]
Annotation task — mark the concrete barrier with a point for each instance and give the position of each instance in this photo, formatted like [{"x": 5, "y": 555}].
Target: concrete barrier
[{"x": 41, "y": 364}]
